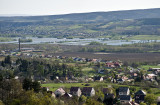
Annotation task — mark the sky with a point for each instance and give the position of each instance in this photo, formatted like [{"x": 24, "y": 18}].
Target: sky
[{"x": 53, "y": 7}]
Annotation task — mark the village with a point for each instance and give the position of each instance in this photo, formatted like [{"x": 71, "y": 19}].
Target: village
[{"x": 104, "y": 71}]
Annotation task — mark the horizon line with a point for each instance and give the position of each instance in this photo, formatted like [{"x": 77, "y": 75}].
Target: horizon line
[{"x": 26, "y": 15}]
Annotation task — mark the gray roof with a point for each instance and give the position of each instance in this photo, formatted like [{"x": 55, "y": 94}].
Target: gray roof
[
  {"x": 97, "y": 77},
  {"x": 87, "y": 89},
  {"x": 120, "y": 79},
  {"x": 125, "y": 97},
  {"x": 140, "y": 92},
  {"x": 74, "y": 89}
]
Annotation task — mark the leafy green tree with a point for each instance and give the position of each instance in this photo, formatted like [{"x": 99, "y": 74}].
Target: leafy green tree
[
  {"x": 1, "y": 103},
  {"x": 149, "y": 99},
  {"x": 91, "y": 101},
  {"x": 15, "y": 102},
  {"x": 3, "y": 64},
  {"x": 135, "y": 65},
  {"x": 10, "y": 74},
  {"x": 82, "y": 98},
  {"x": 32, "y": 98},
  {"x": 27, "y": 84},
  {"x": 24, "y": 65},
  {"x": 95, "y": 43},
  {"x": 100, "y": 95},
  {"x": 36, "y": 86},
  {"x": 1, "y": 77},
  {"x": 108, "y": 101},
  {"x": 153, "y": 104},
  {"x": 40, "y": 69},
  {"x": 64, "y": 67},
  {"x": 142, "y": 103},
  {"x": 10, "y": 89},
  {"x": 83, "y": 49},
  {"x": 7, "y": 60}
]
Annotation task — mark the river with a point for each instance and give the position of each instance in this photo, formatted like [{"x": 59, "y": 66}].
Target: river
[{"x": 77, "y": 41}]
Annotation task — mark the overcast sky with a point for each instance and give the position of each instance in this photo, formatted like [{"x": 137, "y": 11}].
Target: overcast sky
[{"x": 52, "y": 7}]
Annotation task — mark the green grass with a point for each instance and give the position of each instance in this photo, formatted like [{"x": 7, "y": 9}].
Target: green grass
[
  {"x": 90, "y": 31},
  {"x": 67, "y": 86},
  {"x": 54, "y": 86},
  {"x": 4, "y": 39},
  {"x": 155, "y": 91},
  {"x": 2, "y": 58},
  {"x": 107, "y": 25},
  {"x": 144, "y": 37},
  {"x": 87, "y": 69},
  {"x": 132, "y": 27},
  {"x": 146, "y": 67},
  {"x": 75, "y": 27}
]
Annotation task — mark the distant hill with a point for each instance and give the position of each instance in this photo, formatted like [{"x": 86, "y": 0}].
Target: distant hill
[
  {"x": 107, "y": 16},
  {"x": 131, "y": 22}
]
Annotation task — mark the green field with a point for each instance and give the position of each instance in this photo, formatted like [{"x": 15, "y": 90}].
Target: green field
[
  {"x": 4, "y": 39},
  {"x": 88, "y": 71},
  {"x": 75, "y": 27},
  {"x": 54, "y": 86},
  {"x": 146, "y": 67},
  {"x": 144, "y": 37}
]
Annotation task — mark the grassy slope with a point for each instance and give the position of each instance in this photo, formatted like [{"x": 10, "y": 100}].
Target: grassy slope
[
  {"x": 4, "y": 39},
  {"x": 95, "y": 24},
  {"x": 54, "y": 86},
  {"x": 146, "y": 67},
  {"x": 144, "y": 37}
]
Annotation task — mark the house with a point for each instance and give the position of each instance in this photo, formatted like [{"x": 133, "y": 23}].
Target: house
[
  {"x": 151, "y": 76},
  {"x": 117, "y": 64},
  {"x": 125, "y": 99},
  {"x": 67, "y": 95},
  {"x": 45, "y": 88},
  {"x": 124, "y": 91},
  {"x": 98, "y": 78},
  {"x": 89, "y": 79},
  {"x": 139, "y": 96},
  {"x": 110, "y": 65},
  {"x": 120, "y": 80},
  {"x": 88, "y": 60},
  {"x": 124, "y": 78},
  {"x": 101, "y": 71},
  {"x": 158, "y": 101},
  {"x": 27, "y": 49},
  {"x": 113, "y": 64},
  {"x": 108, "y": 95},
  {"x": 155, "y": 70},
  {"x": 134, "y": 75},
  {"x": 59, "y": 92},
  {"x": 88, "y": 91},
  {"x": 75, "y": 91},
  {"x": 94, "y": 60}
]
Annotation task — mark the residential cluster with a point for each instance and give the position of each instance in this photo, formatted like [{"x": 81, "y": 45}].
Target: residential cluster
[{"x": 122, "y": 94}]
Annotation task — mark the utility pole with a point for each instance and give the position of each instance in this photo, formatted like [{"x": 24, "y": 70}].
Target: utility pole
[{"x": 19, "y": 45}]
